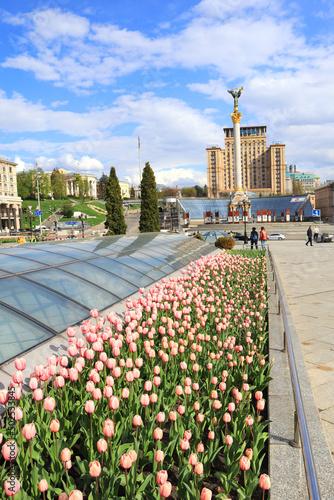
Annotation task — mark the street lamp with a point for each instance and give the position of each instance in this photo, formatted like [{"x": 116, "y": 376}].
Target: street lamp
[
  {"x": 53, "y": 212},
  {"x": 82, "y": 226},
  {"x": 31, "y": 217},
  {"x": 39, "y": 207}
]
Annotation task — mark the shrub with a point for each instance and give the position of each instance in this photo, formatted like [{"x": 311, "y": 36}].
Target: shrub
[
  {"x": 225, "y": 242},
  {"x": 67, "y": 210},
  {"x": 198, "y": 237}
]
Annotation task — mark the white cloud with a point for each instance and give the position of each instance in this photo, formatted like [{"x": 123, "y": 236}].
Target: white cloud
[
  {"x": 68, "y": 162},
  {"x": 180, "y": 177}
]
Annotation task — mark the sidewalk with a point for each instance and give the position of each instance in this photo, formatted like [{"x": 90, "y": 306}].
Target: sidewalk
[{"x": 307, "y": 274}]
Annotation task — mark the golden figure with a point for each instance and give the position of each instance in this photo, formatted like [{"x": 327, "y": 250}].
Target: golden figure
[{"x": 236, "y": 93}]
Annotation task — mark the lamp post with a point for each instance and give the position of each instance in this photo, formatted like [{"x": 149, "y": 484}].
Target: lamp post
[
  {"x": 53, "y": 212},
  {"x": 82, "y": 226},
  {"x": 39, "y": 207},
  {"x": 31, "y": 217}
]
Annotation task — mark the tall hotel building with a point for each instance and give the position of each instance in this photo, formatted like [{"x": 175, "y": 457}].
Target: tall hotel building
[{"x": 263, "y": 168}]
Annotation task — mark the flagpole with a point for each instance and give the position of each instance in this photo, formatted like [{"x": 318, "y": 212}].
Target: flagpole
[{"x": 139, "y": 149}]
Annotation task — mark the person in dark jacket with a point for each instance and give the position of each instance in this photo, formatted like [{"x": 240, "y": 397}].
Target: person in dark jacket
[
  {"x": 254, "y": 237},
  {"x": 309, "y": 236}
]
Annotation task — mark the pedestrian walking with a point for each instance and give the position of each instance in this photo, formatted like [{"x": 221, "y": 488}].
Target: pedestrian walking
[
  {"x": 263, "y": 238},
  {"x": 316, "y": 234},
  {"x": 309, "y": 236},
  {"x": 254, "y": 237}
]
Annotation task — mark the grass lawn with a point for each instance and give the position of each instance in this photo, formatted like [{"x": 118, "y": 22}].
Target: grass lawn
[{"x": 49, "y": 206}]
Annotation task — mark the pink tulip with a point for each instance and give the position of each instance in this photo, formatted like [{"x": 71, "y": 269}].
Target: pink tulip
[
  {"x": 63, "y": 496},
  {"x": 65, "y": 455},
  {"x": 102, "y": 445},
  {"x": 137, "y": 421},
  {"x": 126, "y": 461},
  {"x": 244, "y": 463},
  {"x": 38, "y": 394},
  {"x": 75, "y": 495},
  {"x": 43, "y": 485},
  {"x": 9, "y": 450},
  {"x": 49, "y": 404},
  {"x": 89, "y": 406},
  {"x": 264, "y": 482},
  {"x": 199, "y": 469},
  {"x": 206, "y": 494},
  {"x": 17, "y": 377},
  {"x": 165, "y": 489},
  {"x": 162, "y": 477},
  {"x": 29, "y": 431},
  {"x": 95, "y": 468},
  {"x": 133, "y": 455},
  {"x": 54, "y": 425},
  {"x": 20, "y": 364},
  {"x": 108, "y": 428},
  {"x": 11, "y": 486}
]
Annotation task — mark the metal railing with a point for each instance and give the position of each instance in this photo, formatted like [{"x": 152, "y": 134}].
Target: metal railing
[{"x": 301, "y": 430}]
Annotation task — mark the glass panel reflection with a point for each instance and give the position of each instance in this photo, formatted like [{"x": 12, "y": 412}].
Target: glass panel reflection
[
  {"x": 109, "y": 282},
  {"x": 125, "y": 272},
  {"x": 41, "y": 304},
  {"x": 82, "y": 291},
  {"x": 16, "y": 264},
  {"x": 44, "y": 257},
  {"x": 139, "y": 265},
  {"x": 17, "y": 334}
]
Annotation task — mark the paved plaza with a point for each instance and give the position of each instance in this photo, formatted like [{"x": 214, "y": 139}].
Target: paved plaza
[{"x": 307, "y": 275}]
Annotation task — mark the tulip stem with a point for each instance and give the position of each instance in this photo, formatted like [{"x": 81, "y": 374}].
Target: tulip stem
[
  {"x": 127, "y": 484},
  {"x": 263, "y": 494},
  {"x": 30, "y": 453},
  {"x": 91, "y": 431},
  {"x": 97, "y": 488},
  {"x": 61, "y": 403},
  {"x": 21, "y": 435}
]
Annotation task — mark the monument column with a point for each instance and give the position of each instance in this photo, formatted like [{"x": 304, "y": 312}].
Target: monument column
[{"x": 236, "y": 117}]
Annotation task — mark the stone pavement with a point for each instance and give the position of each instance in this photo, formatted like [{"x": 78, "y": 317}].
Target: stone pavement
[{"x": 307, "y": 275}]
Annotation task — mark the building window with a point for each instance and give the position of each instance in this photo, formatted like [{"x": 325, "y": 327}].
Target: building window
[
  {"x": 4, "y": 169},
  {"x": 10, "y": 170}
]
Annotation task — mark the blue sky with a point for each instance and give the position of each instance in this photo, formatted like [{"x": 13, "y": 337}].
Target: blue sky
[{"x": 80, "y": 81}]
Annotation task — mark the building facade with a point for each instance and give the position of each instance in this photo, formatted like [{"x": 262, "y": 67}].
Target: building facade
[
  {"x": 262, "y": 167},
  {"x": 72, "y": 188},
  {"x": 324, "y": 200},
  {"x": 10, "y": 202},
  {"x": 308, "y": 181}
]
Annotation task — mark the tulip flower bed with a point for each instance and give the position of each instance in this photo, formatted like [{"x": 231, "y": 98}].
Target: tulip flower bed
[{"x": 167, "y": 402}]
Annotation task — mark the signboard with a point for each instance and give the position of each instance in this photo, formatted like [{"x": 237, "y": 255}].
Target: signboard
[
  {"x": 71, "y": 223},
  {"x": 315, "y": 213},
  {"x": 30, "y": 207},
  {"x": 297, "y": 200},
  {"x": 38, "y": 212}
]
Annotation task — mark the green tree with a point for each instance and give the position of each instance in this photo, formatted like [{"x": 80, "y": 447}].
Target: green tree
[
  {"x": 102, "y": 186},
  {"x": 67, "y": 210},
  {"x": 168, "y": 193},
  {"x": 149, "y": 213},
  {"x": 189, "y": 192},
  {"x": 297, "y": 187},
  {"x": 115, "y": 221},
  {"x": 132, "y": 192},
  {"x": 58, "y": 185},
  {"x": 27, "y": 184},
  {"x": 199, "y": 191},
  {"x": 24, "y": 188}
]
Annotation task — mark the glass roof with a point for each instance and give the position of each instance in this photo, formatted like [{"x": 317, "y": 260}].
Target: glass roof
[{"x": 46, "y": 287}]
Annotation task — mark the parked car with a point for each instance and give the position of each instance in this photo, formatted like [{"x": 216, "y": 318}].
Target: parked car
[
  {"x": 212, "y": 236},
  {"x": 276, "y": 236},
  {"x": 325, "y": 238},
  {"x": 239, "y": 236}
]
